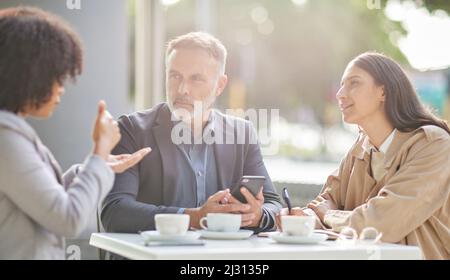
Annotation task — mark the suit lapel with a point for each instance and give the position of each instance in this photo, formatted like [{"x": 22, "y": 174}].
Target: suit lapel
[
  {"x": 224, "y": 153},
  {"x": 167, "y": 149}
]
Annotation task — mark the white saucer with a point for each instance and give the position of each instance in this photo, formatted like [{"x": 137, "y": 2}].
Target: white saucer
[
  {"x": 241, "y": 234},
  {"x": 291, "y": 239},
  {"x": 153, "y": 235}
]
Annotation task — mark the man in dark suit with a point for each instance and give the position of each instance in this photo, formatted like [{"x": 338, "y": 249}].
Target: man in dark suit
[{"x": 197, "y": 154}]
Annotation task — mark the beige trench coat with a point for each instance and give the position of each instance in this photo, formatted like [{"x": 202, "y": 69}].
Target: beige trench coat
[{"x": 411, "y": 204}]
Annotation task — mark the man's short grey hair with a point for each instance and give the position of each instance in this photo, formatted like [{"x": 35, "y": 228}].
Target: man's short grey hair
[{"x": 200, "y": 40}]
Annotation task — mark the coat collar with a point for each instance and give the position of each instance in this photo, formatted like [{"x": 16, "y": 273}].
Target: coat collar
[{"x": 397, "y": 142}]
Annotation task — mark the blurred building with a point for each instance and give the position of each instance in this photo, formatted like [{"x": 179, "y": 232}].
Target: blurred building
[{"x": 433, "y": 88}]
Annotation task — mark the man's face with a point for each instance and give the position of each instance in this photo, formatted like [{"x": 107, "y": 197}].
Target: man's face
[{"x": 192, "y": 76}]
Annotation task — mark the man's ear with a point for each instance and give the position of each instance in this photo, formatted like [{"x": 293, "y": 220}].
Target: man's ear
[{"x": 221, "y": 84}]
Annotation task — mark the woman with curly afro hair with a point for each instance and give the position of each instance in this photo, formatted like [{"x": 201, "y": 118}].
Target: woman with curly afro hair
[{"x": 40, "y": 206}]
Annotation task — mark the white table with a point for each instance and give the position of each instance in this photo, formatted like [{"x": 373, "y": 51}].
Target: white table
[{"x": 132, "y": 246}]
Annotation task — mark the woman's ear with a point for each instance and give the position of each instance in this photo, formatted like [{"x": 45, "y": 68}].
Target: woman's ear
[{"x": 382, "y": 94}]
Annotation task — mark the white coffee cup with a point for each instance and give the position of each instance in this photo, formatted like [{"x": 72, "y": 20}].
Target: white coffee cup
[
  {"x": 172, "y": 224},
  {"x": 221, "y": 222},
  {"x": 298, "y": 225}
]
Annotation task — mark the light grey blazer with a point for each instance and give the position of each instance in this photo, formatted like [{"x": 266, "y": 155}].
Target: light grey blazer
[{"x": 38, "y": 205}]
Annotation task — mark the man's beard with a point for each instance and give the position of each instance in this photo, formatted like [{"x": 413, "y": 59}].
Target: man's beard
[{"x": 200, "y": 108}]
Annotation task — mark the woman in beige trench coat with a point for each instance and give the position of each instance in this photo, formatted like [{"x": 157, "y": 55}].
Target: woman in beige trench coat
[{"x": 396, "y": 176}]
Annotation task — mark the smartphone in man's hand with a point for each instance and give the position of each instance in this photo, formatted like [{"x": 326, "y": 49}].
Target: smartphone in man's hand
[{"x": 252, "y": 183}]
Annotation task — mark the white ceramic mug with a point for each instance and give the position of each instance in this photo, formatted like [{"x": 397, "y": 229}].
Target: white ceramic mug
[
  {"x": 221, "y": 222},
  {"x": 172, "y": 224},
  {"x": 298, "y": 225}
]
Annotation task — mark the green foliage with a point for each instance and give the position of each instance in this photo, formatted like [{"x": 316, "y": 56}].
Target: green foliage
[{"x": 431, "y": 5}]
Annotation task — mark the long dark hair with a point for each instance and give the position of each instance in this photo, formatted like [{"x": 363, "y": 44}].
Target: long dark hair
[
  {"x": 403, "y": 107},
  {"x": 37, "y": 49}
]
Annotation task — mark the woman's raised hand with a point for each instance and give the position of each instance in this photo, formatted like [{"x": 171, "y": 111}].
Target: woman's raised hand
[{"x": 106, "y": 133}]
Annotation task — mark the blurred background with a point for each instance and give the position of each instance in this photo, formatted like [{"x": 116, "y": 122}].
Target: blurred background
[
  {"x": 290, "y": 55},
  {"x": 283, "y": 54}
]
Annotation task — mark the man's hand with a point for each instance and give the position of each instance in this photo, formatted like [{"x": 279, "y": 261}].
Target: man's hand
[
  {"x": 296, "y": 211},
  {"x": 322, "y": 204},
  {"x": 252, "y": 216},
  {"x": 120, "y": 163},
  {"x": 213, "y": 205}
]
